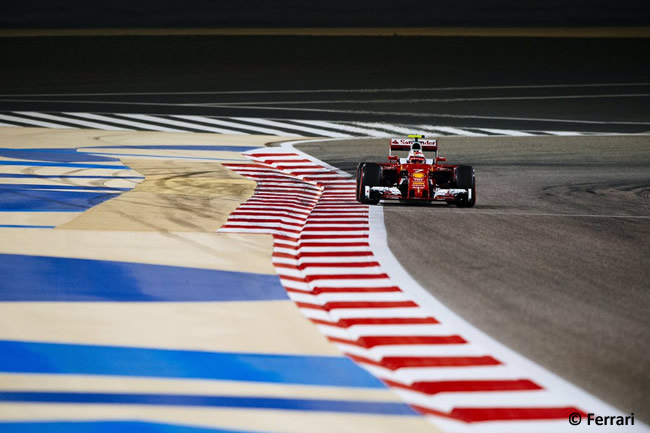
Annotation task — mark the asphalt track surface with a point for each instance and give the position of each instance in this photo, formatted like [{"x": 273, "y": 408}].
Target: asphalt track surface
[
  {"x": 553, "y": 260},
  {"x": 572, "y": 84}
]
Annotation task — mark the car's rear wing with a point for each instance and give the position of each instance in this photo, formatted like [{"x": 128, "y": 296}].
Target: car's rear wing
[{"x": 407, "y": 143}]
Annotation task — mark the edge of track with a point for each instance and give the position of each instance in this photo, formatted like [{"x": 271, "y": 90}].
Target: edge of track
[{"x": 378, "y": 240}]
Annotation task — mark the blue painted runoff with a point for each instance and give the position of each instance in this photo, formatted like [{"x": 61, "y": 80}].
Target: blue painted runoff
[
  {"x": 63, "y": 164},
  {"x": 51, "y": 201},
  {"x": 39, "y": 278},
  {"x": 59, "y": 358},
  {"x": 239, "y": 402},
  {"x": 53, "y": 155},
  {"x": 106, "y": 427},
  {"x": 180, "y": 147},
  {"x": 203, "y": 158},
  {"x": 18, "y": 226},
  {"x": 64, "y": 176},
  {"x": 31, "y": 186}
]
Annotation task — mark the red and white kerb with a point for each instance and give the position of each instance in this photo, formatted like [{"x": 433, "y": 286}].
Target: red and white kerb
[{"x": 322, "y": 255}]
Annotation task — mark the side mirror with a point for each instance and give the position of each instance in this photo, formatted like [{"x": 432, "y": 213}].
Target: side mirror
[
  {"x": 440, "y": 159},
  {"x": 393, "y": 158}
]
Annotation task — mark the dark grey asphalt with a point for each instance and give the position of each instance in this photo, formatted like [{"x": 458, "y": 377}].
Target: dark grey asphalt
[
  {"x": 598, "y": 85},
  {"x": 554, "y": 260}
]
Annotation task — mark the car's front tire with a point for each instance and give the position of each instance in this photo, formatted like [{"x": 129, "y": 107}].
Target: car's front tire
[
  {"x": 368, "y": 174},
  {"x": 360, "y": 191},
  {"x": 465, "y": 179}
]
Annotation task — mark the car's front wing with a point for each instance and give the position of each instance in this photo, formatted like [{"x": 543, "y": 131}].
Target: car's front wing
[{"x": 392, "y": 193}]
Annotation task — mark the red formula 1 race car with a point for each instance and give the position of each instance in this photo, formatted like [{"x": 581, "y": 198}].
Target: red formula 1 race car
[{"x": 416, "y": 178}]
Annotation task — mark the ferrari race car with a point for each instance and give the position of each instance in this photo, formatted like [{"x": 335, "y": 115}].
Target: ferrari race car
[{"x": 415, "y": 178}]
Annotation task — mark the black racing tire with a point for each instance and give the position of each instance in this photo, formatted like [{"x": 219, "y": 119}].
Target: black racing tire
[
  {"x": 368, "y": 174},
  {"x": 464, "y": 176},
  {"x": 465, "y": 179},
  {"x": 358, "y": 181}
]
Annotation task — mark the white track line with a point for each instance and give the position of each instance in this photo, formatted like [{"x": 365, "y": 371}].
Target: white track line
[
  {"x": 510, "y": 132},
  {"x": 277, "y": 124},
  {"x": 141, "y": 125},
  {"x": 223, "y": 126},
  {"x": 561, "y": 133},
  {"x": 226, "y": 123},
  {"x": 453, "y": 131},
  {"x": 87, "y": 124},
  {"x": 146, "y": 117},
  {"x": 388, "y": 127},
  {"x": 34, "y": 122},
  {"x": 369, "y": 90},
  {"x": 343, "y": 127}
]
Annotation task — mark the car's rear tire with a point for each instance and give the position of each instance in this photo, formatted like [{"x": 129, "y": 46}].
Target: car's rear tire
[
  {"x": 465, "y": 179},
  {"x": 368, "y": 174}
]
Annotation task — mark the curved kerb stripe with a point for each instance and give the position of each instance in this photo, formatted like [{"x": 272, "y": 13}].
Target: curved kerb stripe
[{"x": 325, "y": 263}]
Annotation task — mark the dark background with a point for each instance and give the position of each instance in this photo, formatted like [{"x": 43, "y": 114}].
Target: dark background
[{"x": 331, "y": 13}]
